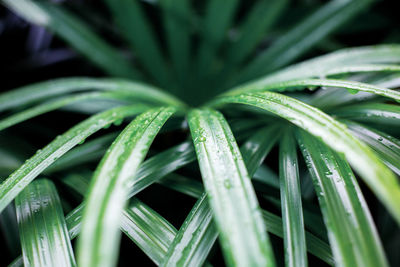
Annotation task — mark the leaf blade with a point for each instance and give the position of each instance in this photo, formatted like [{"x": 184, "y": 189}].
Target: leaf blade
[
  {"x": 380, "y": 179},
  {"x": 76, "y": 33},
  {"x": 98, "y": 243},
  {"x": 292, "y": 211},
  {"x": 14, "y": 184},
  {"x": 224, "y": 184},
  {"x": 44, "y": 235},
  {"x": 351, "y": 231}
]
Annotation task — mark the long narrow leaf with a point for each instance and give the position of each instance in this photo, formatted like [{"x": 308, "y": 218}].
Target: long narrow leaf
[
  {"x": 292, "y": 210},
  {"x": 231, "y": 195},
  {"x": 44, "y": 237},
  {"x": 177, "y": 14},
  {"x": 160, "y": 165},
  {"x": 53, "y": 105},
  {"x": 17, "y": 181},
  {"x": 136, "y": 29},
  {"x": 92, "y": 150},
  {"x": 76, "y": 33},
  {"x": 303, "y": 36},
  {"x": 371, "y": 112},
  {"x": 315, "y": 246},
  {"x": 98, "y": 244},
  {"x": 145, "y": 227},
  {"x": 352, "y": 234},
  {"x": 380, "y": 179},
  {"x": 323, "y": 65},
  {"x": 386, "y": 146},
  {"x": 260, "y": 18},
  {"x": 219, "y": 15},
  {"x": 198, "y": 231},
  {"x": 151, "y": 232},
  {"x": 45, "y": 90},
  {"x": 352, "y": 86},
  {"x": 256, "y": 148}
]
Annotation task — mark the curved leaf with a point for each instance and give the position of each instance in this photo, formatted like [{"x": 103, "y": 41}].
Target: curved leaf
[
  {"x": 292, "y": 210},
  {"x": 50, "y": 106},
  {"x": 45, "y": 90},
  {"x": 17, "y": 181},
  {"x": 351, "y": 230},
  {"x": 379, "y": 178},
  {"x": 352, "y": 86},
  {"x": 231, "y": 195},
  {"x": 303, "y": 36},
  {"x": 386, "y": 146},
  {"x": 44, "y": 237},
  {"x": 160, "y": 165},
  {"x": 98, "y": 243},
  {"x": 150, "y": 232},
  {"x": 76, "y": 33},
  {"x": 195, "y": 238},
  {"x": 256, "y": 148},
  {"x": 371, "y": 112},
  {"x": 315, "y": 246},
  {"x": 176, "y": 16},
  {"x": 345, "y": 58},
  {"x": 134, "y": 26}
]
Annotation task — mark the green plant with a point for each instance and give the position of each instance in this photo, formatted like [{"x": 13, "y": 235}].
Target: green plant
[{"x": 345, "y": 123}]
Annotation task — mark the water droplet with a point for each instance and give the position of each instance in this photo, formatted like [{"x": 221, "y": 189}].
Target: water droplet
[
  {"x": 118, "y": 122},
  {"x": 227, "y": 184},
  {"x": 352, "y": 91},
  {"x": 202, "y": 139},
  {"x": 380, "y": 139},
  {"x": 82, "y": 141}
]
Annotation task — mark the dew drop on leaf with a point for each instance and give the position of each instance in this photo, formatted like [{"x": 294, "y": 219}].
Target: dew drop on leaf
[
  {"x": 227, "y": 184},
  {"x": 352, "y": 91}
]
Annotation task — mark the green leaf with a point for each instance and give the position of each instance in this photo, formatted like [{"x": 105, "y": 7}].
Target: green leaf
[
  {"x": 45, "y": 90},
  {"x": 292, "y": 211},
  {"x": 315, "y": 246},
  {"x": 176, "y": 16},
  {"x": 346, "y": 58},
  {"x": 256, "y": 23},
  {"x": 303, "y": 36},
  {"x": 371, "y": 112},
  {"x": 44, "y": 237},
  {"x": 87, "y": 152},
  {"x": 195, "y": 238},
  {"x": 53, "y": 105},
  {"x": 150, "y": 232},
  {"x": 191, "y": 245},
  {"x": 145, "y": 227},
  {"x": 231, "y": 194},
  {"x": 351, "y": 86},
  {"x": 19, "y": 179},
  {"x": 386, "y": 146},
  {"x": 182, "y": 184},
  {"x": 98, "y": 243},
  {"x": 352, "y": 233},
  {"x": 379, "y": 178},
  {"x": 217, "y": 20},
  {"x": 256, "y": 148},
  {"x": 136, "y": 29},
  {"x": 75, "y": 32},
  {"x": 160, "y": 165}
]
